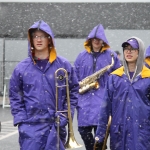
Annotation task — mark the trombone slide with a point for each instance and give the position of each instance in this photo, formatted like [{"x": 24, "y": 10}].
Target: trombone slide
[{"x": 71, "y": 142}]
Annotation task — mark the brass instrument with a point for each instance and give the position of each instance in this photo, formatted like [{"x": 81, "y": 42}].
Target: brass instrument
[
  {"x": 107, "y": 133},
  {"x": 91, "y": 81},
  {"x": 106, "y": 136},
  {"x": 71, "y": 142}
]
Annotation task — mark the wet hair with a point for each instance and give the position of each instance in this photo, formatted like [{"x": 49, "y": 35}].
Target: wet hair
[
  {"x": 117, "y": 52},
  {"x": 32, "y": 31}
]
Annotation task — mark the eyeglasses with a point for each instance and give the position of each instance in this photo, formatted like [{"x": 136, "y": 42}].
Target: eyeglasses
[
  {"x": 126, "y": 49},
  {"x": 42, "y": 37}
]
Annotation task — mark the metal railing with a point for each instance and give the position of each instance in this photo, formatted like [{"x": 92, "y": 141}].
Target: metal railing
[{"x": 6, "y": 68}]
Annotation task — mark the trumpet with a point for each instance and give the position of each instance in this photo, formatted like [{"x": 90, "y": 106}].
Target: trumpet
[
  {"x": 91, "y": 81},
  {"x": 71, "y": 141}
]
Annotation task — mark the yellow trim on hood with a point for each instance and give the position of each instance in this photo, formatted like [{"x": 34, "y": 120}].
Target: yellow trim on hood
[
  {"x": 52, "y": 55},
  {"x": 88, "y": 47},
  {"x": 147, "y": 60},
  {"x": 119, "y": 71},
  {"x": 144, "y": 74}
]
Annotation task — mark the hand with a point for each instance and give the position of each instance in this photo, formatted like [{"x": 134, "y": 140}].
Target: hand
[
  {"x": 99, "y": 146},
  {"x": 63, "y": 120}
]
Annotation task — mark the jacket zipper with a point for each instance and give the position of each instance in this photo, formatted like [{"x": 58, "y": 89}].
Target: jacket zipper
[{"x": 94, "y": 63}]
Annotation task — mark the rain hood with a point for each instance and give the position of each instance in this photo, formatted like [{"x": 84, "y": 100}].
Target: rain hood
[
  {"x": 140, "y": 60},
  {"x": 41, "y": 25},
  {"x": 97, "y": 32},
  {"x": 147, "y": 56}
]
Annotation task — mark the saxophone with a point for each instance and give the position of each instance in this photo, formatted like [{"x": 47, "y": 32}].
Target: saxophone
[{"x": 91, "y": 82}]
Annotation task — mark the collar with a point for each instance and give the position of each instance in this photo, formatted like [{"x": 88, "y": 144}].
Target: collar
[
  {"x": 88, "y": 47},
  {"x": 147, "y": 60},
  {"x": 36, "y": 58},
  {"x": 145, "y": 73}
]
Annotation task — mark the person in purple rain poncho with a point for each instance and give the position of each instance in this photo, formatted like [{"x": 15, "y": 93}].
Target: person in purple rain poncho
[
  {"x": 147, "y": 57},
  {"x": 96, "y": 56},
  {"x": 32, "y": 92},
  {"x": 127, "y": 100}
]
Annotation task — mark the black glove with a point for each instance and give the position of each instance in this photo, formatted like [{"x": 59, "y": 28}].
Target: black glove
[{"x": 99, "y": 146}]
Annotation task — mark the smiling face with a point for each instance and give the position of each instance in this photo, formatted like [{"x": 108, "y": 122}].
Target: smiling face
[
  {"x": 40, "y": 40},
  {"x": 130, "y": 54}
]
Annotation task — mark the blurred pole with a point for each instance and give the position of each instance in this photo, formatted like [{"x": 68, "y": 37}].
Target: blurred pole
[{"x": 3, "y": 62}]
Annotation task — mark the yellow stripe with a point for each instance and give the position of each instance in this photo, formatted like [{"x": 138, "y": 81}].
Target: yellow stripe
[
  {"x": 88, "y": 47},
  {"x": 119, "y": 71},
  {"x": 147, "y": 60},
  {"x": 53, "y": 55},
  {"x": 144, "y": 74}
]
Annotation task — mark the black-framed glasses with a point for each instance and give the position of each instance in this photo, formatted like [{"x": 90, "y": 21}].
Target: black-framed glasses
[
  {"x": 126, "y": 49},
  {"x": 42, "y": 37}
]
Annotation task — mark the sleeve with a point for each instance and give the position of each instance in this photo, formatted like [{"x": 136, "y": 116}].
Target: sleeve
[
  {"x": 105, "y": 111},
  {"x": 16, "y": 98},
  {"x": 73, "y": 90},
  {"x": 76, "y": 67}
]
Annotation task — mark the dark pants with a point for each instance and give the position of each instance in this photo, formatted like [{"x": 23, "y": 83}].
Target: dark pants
[{"x": 87, "y": 136}]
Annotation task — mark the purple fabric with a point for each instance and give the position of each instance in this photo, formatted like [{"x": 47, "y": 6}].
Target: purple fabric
[
  {"x": 52, "y": 141},
  {"x": 42, "y": 63},
  {"x": 96, "y": 54},
  {"x": 132, "y": 42},
  {"x": 147, "y": 57},
  {"x": 32, "y": 94},
  {"x": 40, "y": 136},
  {"x": 98, "y": 32},
  {"x": 63, "y": 120},
  {"x": 129, "y": 107},
  {"x": 131, "y": 74}
]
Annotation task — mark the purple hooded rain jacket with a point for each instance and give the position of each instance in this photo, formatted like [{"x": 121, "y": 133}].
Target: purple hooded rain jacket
[
  {"x": 89, "y": 102},
  {"x": 33, "y": 100},
  {"x": 147, "y": 57}
]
